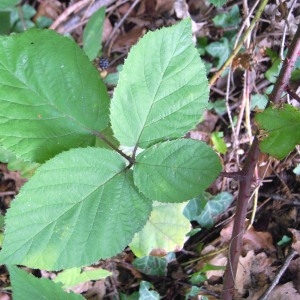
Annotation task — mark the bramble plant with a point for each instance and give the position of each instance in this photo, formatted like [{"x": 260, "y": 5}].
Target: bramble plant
[{"x": 86, "y": 202}]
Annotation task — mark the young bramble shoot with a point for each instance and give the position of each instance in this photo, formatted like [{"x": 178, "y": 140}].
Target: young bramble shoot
[{"x": 53, "y": 104}]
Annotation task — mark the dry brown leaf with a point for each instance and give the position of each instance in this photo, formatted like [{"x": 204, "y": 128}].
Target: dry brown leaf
[
  {"x": 125, "y": 41},
  {"x": 252, "y": 240},
  {"x": 284, "y": 292},
  {"x": 256, "y": 240},
  {"x": 48, "y": 8},
  {"x": 243, "y": 277},
  {"x": 294, "y": 268},
  {"x": 296, "y": 239},
  {"x": 219, "y": 260},
  {"x": 107, "y": 30}
]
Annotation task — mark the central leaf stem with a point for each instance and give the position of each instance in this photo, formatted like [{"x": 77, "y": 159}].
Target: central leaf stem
[{"x": 110, "y": 144}]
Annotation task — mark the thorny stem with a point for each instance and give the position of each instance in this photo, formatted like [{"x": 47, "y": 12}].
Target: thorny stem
[
  {"x": 248, "y": 170},
  {"x": 240, "y": 44},
  {"x": 103, "y": 138}
]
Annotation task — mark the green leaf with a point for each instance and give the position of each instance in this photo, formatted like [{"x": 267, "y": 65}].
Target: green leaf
[
  {"x": 79, "y": 207},
  {"x": 220, "y": 50},
  {"x": 194, "y": 292},
  {"x": 25, "y": 286},
  {"x": 51, "y": 97},
  {"x": 145, "y": 292},
  {"x": 198, "y": 278},
  {"x": 258, "y": 101},
  {"x": 165, "y": 230},
  {"x": 26, "y": 168},
  {"x": 273, "y": 72},
  {"x": 92, "y": 34},
  {"x": 217, "y": 3},
  {"x": 162, "y": 89},
  {"x": 218, "y": 142},
  {"x": 133, "y": 296},
  {"x": 43, "y": 22},
  {"x": 151, "y": 265},
  {"x": 205, "y": 208},
  {"x": 4, "y": 22},
  {"x": 176, "y": 171},
  {"x": 8, "y": 3},
  {"x": 74, "y": 276},
  {"x": 228, "y": 19},
  {"x": 280, "y": 130}
]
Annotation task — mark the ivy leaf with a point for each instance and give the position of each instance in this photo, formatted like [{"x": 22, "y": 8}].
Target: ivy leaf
[
  {"x": 205, "y": 208},
  {"x": 51, "y": 97},
  {"x": 162, "y": 89},
  {"x": 151, "y": 265},
  {"x": 75, "y": 276},
  {"x": 228, "y": 19},
  {"x": 280, "y": 130},
  {"x": 79, "y": 207},
  {"x": 165, "y": 230},
  {"x": 26, "y": 286},
  {"x": 92, "y": 34},
  {"x": 217, "y": 3},
  {"x": 176, "y": 171},
  {"x": 146, "y": 293},
  {"x": 220, "y": 50}
]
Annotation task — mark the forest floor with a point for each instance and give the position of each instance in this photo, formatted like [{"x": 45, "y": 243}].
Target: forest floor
[{"x": 234, "y": 99}]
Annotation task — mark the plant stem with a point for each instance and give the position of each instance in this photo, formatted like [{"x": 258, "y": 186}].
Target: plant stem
[
  {"x": 282, "y": 82},
  {"x": 103, "y": 138},
  {"x": 247, "y": 174},
  {"x": 240, "y": 44}
]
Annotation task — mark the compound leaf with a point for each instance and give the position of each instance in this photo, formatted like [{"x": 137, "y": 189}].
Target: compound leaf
[
  {"x": 176, "y": 171},
  {"x": 26, "y": 286},
  {"x": 51, "y": 97},
  {"x": 164, "y": 232},
  {"x": 79, "y": 207},
  {"x": 280, "y": 130},
  {"x": 162, "y": 89}
]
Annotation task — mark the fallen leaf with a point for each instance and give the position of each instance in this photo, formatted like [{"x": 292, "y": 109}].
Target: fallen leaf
[
  {"x": 284, "y": 292},
  {"x": 296, "y": 239},
  {"x": 252, "y": 239},
  {"x": 125, "y": 41}
]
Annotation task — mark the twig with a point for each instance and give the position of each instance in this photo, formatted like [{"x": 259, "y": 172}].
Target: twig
[
  {"x": 248, "y": 170},
  {"x": 284, "y": 76},
  {"x": 240, "y": 44},
  {"x": 134, "y": 4},
  {"x": 292, "y": 94},
  {"x": 239, "y": 220},
  {"x": 8, "y": 193},
  {"x": 279, "y": 274}
]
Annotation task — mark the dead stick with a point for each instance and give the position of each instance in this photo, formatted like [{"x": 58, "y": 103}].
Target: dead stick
[
  {"x": 279, "y": 275},
  {"x": 248, "y": 171}
]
